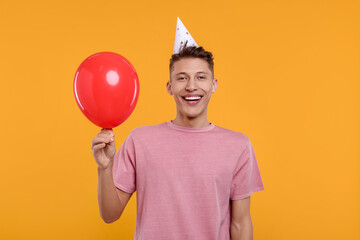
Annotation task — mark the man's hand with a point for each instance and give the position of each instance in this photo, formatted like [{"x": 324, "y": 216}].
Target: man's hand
[{"x": 103, "y": 148}]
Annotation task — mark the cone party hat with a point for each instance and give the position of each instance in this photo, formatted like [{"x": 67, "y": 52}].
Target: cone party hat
[{"x": 182, "y": 36}]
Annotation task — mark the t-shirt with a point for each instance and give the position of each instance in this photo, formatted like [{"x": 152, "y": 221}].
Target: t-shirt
[{"x": 184, "y": 179}]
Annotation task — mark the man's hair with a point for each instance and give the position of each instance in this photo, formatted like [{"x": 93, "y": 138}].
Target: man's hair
[{"x": 193, "y": 52}]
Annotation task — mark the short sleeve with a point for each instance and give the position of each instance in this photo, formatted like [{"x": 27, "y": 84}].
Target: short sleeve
[
  {"x": 124, "y": 167},
  {"x": 246, "y": 179}
]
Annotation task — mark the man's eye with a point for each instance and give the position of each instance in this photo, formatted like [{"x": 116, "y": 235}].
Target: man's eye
[
  {"x": 181, "y": 78},
  {"x": 202, "y": 77}
]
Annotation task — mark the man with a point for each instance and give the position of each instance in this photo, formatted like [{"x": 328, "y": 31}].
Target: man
[{"x": 193, "y": 178}]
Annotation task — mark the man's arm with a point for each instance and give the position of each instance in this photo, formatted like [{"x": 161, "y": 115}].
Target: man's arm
[
  {"x": 241, "y": 227},
  {"x": 112, "y": 201}
]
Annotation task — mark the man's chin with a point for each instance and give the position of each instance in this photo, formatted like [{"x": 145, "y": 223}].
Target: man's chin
[{"x": 191, "y": 115}]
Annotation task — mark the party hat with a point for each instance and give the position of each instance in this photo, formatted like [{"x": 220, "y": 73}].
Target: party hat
[{"x": 182, "y": 36}]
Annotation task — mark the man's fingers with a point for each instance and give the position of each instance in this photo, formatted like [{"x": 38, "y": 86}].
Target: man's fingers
[
  {"x": 98, "y": 146},
  {"x": 101, "y": 139},
  {"x": 107, "y": 131},
  {"x": 105, "y": 135}
]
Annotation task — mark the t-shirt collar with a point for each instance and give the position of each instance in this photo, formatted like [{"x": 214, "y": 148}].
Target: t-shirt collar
[{"x": 189, "y": 129}]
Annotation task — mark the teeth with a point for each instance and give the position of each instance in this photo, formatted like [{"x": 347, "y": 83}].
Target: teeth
[{"x": 192, "y": 98}]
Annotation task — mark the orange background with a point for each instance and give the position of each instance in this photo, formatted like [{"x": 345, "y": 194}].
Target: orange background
[{"x": 288, "y": 75}]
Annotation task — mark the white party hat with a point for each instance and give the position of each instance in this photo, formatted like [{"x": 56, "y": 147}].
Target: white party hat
[{"x": 181, "y": 36}]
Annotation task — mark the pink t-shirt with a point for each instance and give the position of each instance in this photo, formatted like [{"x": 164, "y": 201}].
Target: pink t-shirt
[{"x": 185, "y": 179}]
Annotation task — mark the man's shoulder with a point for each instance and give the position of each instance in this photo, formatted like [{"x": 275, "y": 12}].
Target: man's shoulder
[
  {"x": 232, "y": 134},
  {"x": 148, "y": 129}
]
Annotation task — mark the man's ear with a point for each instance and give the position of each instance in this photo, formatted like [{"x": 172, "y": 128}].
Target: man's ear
[
  {"x": 214, "y": 85},
  {"x": 168, "y": 87}
]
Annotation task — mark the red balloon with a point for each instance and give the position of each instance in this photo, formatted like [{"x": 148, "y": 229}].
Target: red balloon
[{"x": 106, "y": 89}]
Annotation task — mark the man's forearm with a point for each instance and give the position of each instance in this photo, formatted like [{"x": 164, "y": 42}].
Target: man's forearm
[
  {"x": 241, "y": 231},
  {"x": 109, "y": 203}
]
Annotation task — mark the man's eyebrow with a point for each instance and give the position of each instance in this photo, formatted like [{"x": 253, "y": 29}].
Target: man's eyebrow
[
  {"x": 181, "y": 73},
  {"x": 202, "y": 72}
]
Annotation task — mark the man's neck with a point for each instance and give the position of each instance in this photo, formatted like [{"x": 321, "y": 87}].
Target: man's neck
[{"x": 191, "y": 123}]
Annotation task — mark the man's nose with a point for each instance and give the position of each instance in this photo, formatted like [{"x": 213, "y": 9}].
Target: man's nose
[{"x": 191, "y": 84}]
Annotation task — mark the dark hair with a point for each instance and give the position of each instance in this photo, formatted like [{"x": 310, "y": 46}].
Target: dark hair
[{"x": 193, "y": 52}]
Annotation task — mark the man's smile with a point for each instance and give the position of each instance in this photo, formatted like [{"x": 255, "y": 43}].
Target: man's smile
[{"x": 192, "y": 99}]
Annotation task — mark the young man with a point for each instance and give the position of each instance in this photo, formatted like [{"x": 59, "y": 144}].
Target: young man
[{"x": 193, "y": 179}]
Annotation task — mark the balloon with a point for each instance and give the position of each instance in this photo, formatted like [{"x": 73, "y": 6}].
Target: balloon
[{"x": 106, "y": 89}]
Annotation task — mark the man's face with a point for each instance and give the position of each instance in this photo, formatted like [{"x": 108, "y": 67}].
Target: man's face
[{"x": 191, "y": 83}]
